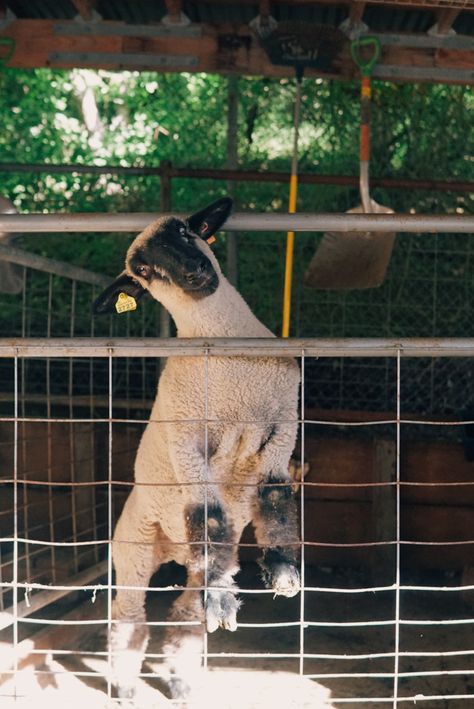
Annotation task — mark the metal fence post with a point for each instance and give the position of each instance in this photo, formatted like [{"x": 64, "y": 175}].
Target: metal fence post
[{"x": 165, "y": 206}]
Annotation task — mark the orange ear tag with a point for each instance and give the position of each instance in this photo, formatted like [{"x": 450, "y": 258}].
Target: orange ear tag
[
  {"x": 125, "y": 303},
  {"x": 210, "y": 239}
]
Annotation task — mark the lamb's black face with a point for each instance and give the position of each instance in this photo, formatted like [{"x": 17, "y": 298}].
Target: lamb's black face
[{"x": 171, "y": 254}]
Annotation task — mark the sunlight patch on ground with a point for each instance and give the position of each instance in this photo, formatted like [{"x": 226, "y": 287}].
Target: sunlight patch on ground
[{"x": 218, "y": 689}]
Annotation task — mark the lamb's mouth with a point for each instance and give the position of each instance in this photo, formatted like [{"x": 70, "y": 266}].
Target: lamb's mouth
[{"x": 207, "y": 285}]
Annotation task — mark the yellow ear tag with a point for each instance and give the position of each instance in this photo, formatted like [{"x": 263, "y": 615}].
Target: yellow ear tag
[
  {"x": 125, "y": 303},
  {"x": 211, "y": 239}
]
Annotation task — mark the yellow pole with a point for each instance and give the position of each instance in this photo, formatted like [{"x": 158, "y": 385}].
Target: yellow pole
[{"x": 290, "y": 237}]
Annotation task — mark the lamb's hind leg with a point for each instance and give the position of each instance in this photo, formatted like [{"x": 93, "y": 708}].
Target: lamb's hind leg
[
  {"x": 213, "y": 560},
  {"x": 135, "y": 560},
  {"x": 184, "y": 642}
]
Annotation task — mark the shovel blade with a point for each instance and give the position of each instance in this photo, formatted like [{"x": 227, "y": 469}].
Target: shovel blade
[{"x": 352, "y": 260}]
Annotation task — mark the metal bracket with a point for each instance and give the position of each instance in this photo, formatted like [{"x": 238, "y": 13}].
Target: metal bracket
[
  {"x": 7, "y": 20},
  {"x": 434, "y": 32},
  {"x": 95, "y": 17},
  {"x": 263, "y": 26},
  {"x": 353, "y": 30},
  {"x": 170, "y": 21}
]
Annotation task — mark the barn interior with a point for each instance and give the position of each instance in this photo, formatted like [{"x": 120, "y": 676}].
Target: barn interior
[{"x": 387, "y": 400}]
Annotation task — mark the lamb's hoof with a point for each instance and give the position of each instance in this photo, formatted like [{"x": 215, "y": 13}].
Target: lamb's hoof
[
  {"x": 178, "y": 688},
  {"x": 126, "y": 695},
  {"x": 285, "y": 580},
  {"x": 221, "y": 611}
]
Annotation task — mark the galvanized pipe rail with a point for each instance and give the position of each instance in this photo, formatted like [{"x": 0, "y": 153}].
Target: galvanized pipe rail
[
  {"x": 49, "y": 265},
  {"x": 248, "y": 347},
  {"x": 133, "y": 222}
]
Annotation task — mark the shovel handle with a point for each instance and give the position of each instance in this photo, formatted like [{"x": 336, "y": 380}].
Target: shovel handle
[
  {"x": 367, "y": 62},
  {"x": 7, "y": 48},
  {"x": 365, "y": 111},
  {"x": 365, "y": 53}
]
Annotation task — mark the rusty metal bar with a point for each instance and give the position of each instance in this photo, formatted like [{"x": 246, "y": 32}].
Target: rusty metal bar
[{"x": 239, "y": 176}]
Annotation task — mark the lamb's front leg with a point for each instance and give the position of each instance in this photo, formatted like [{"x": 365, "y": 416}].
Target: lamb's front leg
[
  {"x": 276, "y": 531},
  {"x": 213, "y": 559},
  {"x": 275, "y": 516}
]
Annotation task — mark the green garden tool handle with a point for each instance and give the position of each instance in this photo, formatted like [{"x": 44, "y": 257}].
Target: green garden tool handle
[
  {"x": 366, "y": 65},
  {"x": 7, "y": 48}
]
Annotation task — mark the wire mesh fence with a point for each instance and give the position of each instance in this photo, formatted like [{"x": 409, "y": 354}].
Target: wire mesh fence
[
  {"x": 384, "y": 616},
  {"x": 427, "y": 293},
  {"x": 385, "y": 612}
]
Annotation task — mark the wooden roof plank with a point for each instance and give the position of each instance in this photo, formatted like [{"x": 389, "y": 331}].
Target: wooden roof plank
[{"x": 228, "y": 49}]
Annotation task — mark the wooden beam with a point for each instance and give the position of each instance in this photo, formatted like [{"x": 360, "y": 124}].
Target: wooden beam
[
  {"x": 425, "y": 5},
  {"x": 173, "y": 9},
  {"x": 264, "y": 9},
  {"x": 445, "y": 18},
  {"x": 224, "y": 49},
  {"x": 356, "y": 10},
  {"x": 85, "y": 8}
]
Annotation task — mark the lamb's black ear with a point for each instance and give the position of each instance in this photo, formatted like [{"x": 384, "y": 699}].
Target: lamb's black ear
[
  {"x": 206, "y": 222},
  {"x": 105, "y": 303}
]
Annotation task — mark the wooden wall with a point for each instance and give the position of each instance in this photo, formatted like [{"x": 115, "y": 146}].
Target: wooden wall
[{"x": 342, "y": 506}]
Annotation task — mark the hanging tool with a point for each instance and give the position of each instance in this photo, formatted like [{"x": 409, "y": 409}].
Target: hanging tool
[
  {"x": 7, "y": 49},
  {"x": 290, "y": 237},
  {"x": 356, "y": 260},
  {"x": 299, "y": 45}
]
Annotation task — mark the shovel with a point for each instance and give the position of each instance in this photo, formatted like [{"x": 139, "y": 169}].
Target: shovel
[{"x": 356, "y": 259}]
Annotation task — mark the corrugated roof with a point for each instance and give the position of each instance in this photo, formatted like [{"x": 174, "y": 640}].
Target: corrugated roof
[{"x": 403, "y": 17}]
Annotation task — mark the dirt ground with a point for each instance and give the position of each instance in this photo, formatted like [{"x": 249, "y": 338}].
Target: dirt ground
[{"x": 248, "y": 683}]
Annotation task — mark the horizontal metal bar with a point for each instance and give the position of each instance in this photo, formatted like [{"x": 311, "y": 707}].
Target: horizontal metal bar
[
  {"x": 424, "y": 41},
  {"x": 49, "y": 265},
  {"x": 423, "y": 73},
  {"x": 124, "y": 60},
  {"x": 40, "y": 600},
  {"x": 132, "y": 222},
  {"x": 122, "y": 29},
  {"x": 222, "y": 346},
  {"x": 238, "y": 175}
]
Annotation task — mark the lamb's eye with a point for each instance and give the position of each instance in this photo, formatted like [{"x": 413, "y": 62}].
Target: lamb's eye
[{"x": 143, "y": 270}]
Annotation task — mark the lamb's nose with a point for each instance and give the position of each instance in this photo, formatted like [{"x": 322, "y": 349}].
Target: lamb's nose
[
  {"x": 201, "y": 267},
  {"x": 196, "y": 271}
]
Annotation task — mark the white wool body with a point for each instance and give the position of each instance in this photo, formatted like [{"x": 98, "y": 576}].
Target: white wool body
[{"x": 239, "y": 397}]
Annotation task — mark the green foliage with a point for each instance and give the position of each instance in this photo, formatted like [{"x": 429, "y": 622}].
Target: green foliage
[{"x": 139, "y": 119}]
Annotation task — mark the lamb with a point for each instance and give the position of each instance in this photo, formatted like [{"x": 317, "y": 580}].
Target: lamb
[{"x": 230, "y": 472}]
